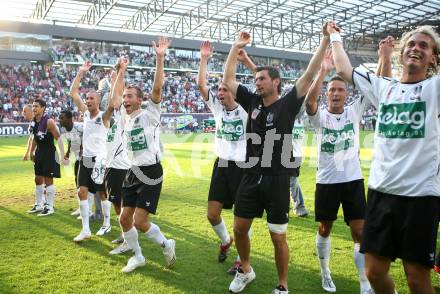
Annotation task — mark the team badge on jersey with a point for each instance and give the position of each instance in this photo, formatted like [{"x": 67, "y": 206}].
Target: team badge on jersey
[
  {"x": 255, "y": 113},
  {"x": 417, "y": 93},
  {"x": 269, "y": 119}
]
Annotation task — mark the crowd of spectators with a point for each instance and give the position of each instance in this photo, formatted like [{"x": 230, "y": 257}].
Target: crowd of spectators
[
  {"x": 68, "y": 51},
  {"x": 20, "y": 85}
]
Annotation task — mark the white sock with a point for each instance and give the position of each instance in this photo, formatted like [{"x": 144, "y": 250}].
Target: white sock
[
  {"x": 222, "y": 232},
  {"x": 249, "y": 234},
  {"x": 106, "y": 207},
  {"x": 323, "y": 251},
  {"x": 90, "y": 199},
  {"x": 359, "y": 261},
  {"x": 50, "y": 195},
  {"x": 39, "y": 197},
  {"x": 131, "y": 237},
  {"x": 154, "y": 234},
  {"x": 84, "y": 211}
]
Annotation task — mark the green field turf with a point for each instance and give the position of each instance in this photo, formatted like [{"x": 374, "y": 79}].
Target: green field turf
[{"x": 38, "y": 254}]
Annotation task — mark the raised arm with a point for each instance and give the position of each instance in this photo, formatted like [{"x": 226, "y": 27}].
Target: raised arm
[
  {"x": 312, "y": 96},
  {"x": 244, "y": 58},
  {"x": 342, "y": 64},
  {"x": 107, "y": 115},
  {"x": 74, "y": 89},
  {"x": 160, "y": 50},
  {"x": 385, "y": 52},
  {"x": 206, "y": 51},
  {"x": 231, "y": 62},
  {"x": 303, "y": 83}
]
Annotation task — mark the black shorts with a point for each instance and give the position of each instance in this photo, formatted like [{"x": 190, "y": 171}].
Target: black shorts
[
  {"x": 351, "y": 195},
  {"x": 113, "y": 184},
  {"x": 225, "y": 182},
  {"x": 401, "y": 227},
  {"x": 257, "y": 193},
  {"x": 143, "y": 190},
  {"x": 46, "y": 165},
  {"x": 85, "y": 176}
]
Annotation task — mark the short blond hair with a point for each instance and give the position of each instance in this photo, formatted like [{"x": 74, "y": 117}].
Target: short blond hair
[{"x": 430, "y": 32}]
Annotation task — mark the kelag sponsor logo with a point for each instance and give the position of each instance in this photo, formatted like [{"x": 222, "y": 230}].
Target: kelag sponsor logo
[
  {"x": 298, "y": 132},
  {"x": 402, "y": 121},
  {"x": 336, "y": 140},
  {"x": 231, "y": 130}
]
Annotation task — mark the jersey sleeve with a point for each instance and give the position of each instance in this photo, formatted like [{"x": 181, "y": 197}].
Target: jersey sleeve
[
  {"x": 213, "y": 103},
  {"x": 292, "y": 102},
  {"x": 437, "y": 86},
  {"x": 370, "y": 86},
  {"x": 315, "y": 119},
  {"x": 81, "y": 129},
  {"x": 359, "y": 105},
  {"x": 245, "y": 96},
  {"x": 152, "y": 112}
]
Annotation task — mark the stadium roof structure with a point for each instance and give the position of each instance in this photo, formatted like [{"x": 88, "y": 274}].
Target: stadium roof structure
[{"x": 289, "y": 24}]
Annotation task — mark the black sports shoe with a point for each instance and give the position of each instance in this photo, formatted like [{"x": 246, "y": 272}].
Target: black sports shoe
[
  {"x": 35, "y": 209},
  {"x": 280, "y": 289},
  {"x": 46, "y": 211},
  {"x": 224, "y": 249},
  {"x": 234, "y": 268}
]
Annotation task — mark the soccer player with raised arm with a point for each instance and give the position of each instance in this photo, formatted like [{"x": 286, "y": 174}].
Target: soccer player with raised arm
[
  {"x": 339, "y": 177},
  {"x": 143, "y": 183},
  {"x": 230, "y": 147},
  {"x": 269, "y": 157},
  {"x": 92, "y": 165},
  {"x": 404, "y": 184}
]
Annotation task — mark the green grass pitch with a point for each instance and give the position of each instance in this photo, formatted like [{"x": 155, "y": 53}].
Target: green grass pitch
[{"x": 38, "y": 254}]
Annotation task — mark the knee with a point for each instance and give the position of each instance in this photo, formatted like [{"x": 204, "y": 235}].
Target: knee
[
  {"x": 374, "y": 274},
  {"x": 413, "y": 283},
  {"x": 82, "y": 194},
  {"x": 278, "y": 233},
  {"x": 278, "y": 240},
  {"x": 324, "y": 231},
  {"x": 357, "y": 236},
  {"x": 140, "y": 224},
  {"x": 240, "y": 230},
  {"x": 417, "y": 281},
  {"x": 125, "y": 222},
  {"x": 213, "y": 218}
]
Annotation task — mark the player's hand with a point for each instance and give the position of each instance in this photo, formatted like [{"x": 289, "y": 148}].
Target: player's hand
[
  {"x": 85, "y": 67},
  {"x": 26, "y": 157},
  {"x": 331, "y": 28},
  {"x": 123, "y": 63},
  {"x": 66, "y": 156},
  {"x": 65, "y": 161},
  {"x": 243, "y": 39},
  {"x": 206, "y": 49},
  {"x": 242, "y": 56},
  {"x": 161, "y": 47},
  {"x": 386, "y": 47},
  {"x": 33, "y": 157},
  {"x": 327, "y": 63}
]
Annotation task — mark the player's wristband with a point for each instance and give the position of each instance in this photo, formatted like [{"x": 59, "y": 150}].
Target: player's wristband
[{"x": 335, "y": 37}]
